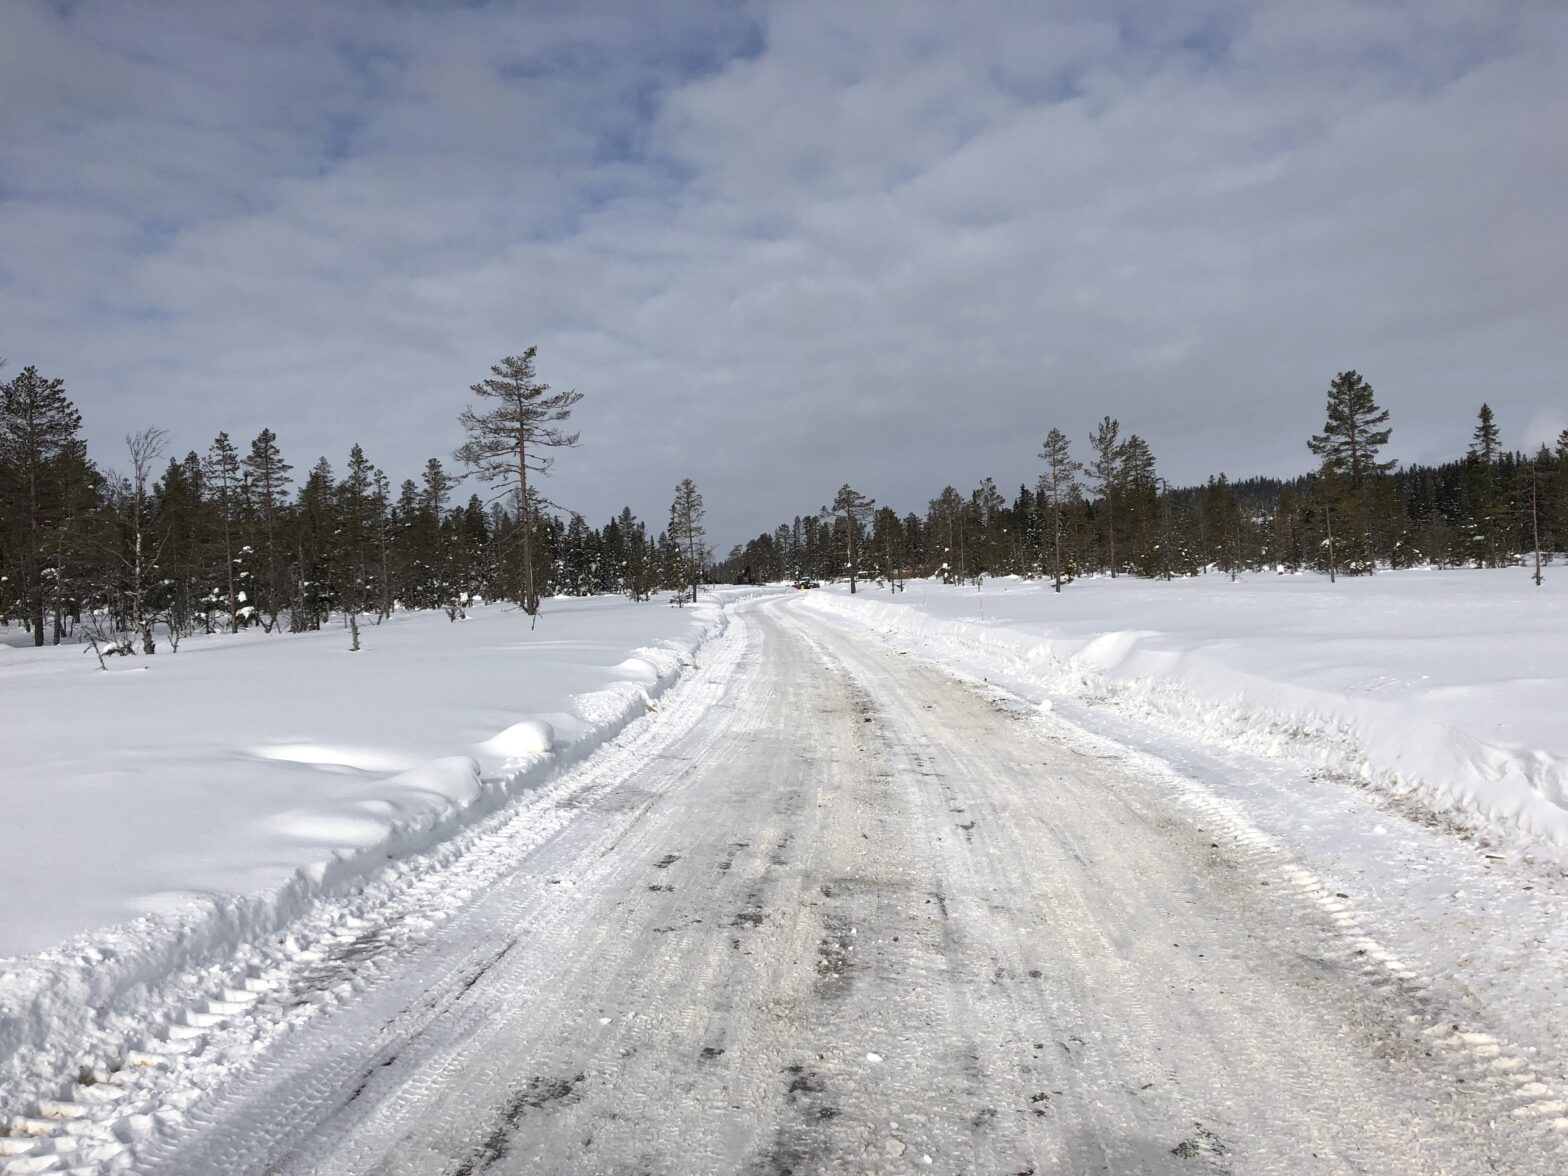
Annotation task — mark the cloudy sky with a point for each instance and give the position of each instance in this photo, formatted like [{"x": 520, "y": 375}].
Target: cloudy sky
[{"x": 783, "y": 246}]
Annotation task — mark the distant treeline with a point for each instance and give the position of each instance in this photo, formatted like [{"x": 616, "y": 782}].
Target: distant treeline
[
  {"x": 231, "y": 537},
  {"x": 1113, "y": 515},
  {"x": 235, "y": 537}
]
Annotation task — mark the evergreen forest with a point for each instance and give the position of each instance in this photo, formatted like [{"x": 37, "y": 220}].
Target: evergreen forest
[{"x": 144, "y": 547}]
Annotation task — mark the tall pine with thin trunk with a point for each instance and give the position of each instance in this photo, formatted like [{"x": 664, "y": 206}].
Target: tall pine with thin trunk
[
  {"x": 686, "y": 530},
  {"x": 512, "y": 439},
  {"x": 1058, "y": 486},
  {"x": 852, "y": 508},
  {"x": 222, "y": 472},
  {"x": 1106, "y": 470},
  {"x": 1354, "y": 432}
]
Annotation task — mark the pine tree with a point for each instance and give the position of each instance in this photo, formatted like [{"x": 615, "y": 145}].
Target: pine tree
[
  {"x": 686, "y": 529},
  {"x": 1351, "y": 438},
  {"x": 510, "y": 441},
  {"x": 1348, "y": 449},
  {"x": 1106, "y": 470},
  {"x": 852, "y": 508},
  {"x": 1058, "y": 486}
]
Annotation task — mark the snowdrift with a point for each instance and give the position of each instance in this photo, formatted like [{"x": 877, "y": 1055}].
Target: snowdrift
[
  {"x": 164, "y": 812},
  {"x": 1451, "y": 687}
]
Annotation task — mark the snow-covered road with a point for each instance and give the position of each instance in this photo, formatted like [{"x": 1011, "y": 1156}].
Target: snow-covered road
[{"x": 830, "y": 910}]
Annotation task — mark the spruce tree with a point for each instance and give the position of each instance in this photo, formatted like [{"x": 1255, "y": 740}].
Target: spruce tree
[
  {"x": 1139, "y": 490},
  {"x": 438, "y": 544},
  {"x": 638, "y": 559},
  {"x": 178, "y": 507},
  {"x": 314, "y": 541},
  {"x": 888, "y": 538},
  {"x": 269, "y": 479},
  {"x": 1482, "y": 484},
  {"x": 946, "y": 518},
  {"x": 1221, "y": 524},
  {"x": 1348, "y": 447},
  {"x": 39, "y": 443}
]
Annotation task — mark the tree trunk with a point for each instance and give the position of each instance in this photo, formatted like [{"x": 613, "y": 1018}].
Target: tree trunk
[
  {"x": 1110, "y": 528},
  {"x": 1535, "y": 522},
  {"x": 228, "y": 559},
  {"x": 1056, "y": 562},
  {"x": 35, "y": 586},
  {"x": 691, "y": 552},
  {"x": 1328, "y": 519},
  {"x": 529, "y": 601}
]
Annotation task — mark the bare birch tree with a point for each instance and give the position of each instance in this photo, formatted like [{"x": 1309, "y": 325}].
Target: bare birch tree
[{"x": 145, "y": 448}]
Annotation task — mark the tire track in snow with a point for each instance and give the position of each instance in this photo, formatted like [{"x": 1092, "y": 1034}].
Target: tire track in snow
[
  {"x": 140, "y": 1084},
  {"x": 1401, "y": 1012}
]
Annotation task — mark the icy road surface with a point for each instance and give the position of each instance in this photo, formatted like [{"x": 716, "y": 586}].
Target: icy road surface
[{"x": 831, "y": 911}]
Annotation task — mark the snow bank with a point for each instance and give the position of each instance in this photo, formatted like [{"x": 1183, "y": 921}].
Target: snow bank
[
  {"x": 1452, "y": 686},
  {"x": 159, "y": 814}
]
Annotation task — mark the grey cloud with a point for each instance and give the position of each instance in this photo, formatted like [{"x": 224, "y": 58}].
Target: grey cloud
[{"x": 784, "y": 246}]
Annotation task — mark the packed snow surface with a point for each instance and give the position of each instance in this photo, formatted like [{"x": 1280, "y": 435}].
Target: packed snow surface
[
  {"x": 1448, "y": 686},
  {"x": 821, "y": 906},
  {"x": 830, "y": 909}
]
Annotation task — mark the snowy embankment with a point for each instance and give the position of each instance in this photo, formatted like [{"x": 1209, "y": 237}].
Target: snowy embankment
[
  {"x": 1450, "y": 687},
  {"x": 160, "y": 813}
]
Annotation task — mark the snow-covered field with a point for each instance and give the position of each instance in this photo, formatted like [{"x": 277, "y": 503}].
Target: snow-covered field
[
  {"x": 1450, "y": 687},
  {"x": 265, "y": 893},
  {"x": 162, "y": 812}
]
